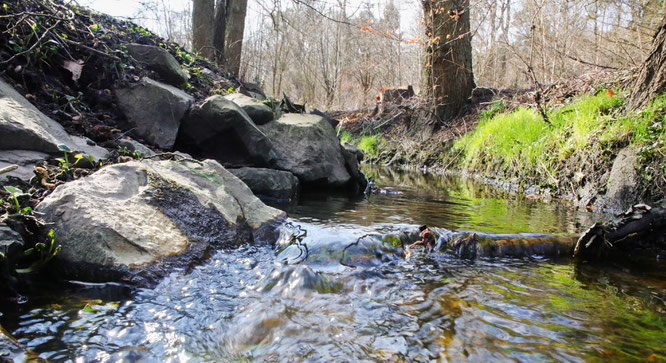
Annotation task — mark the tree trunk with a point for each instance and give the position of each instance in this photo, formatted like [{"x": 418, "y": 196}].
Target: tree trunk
[
  {"x": 219, "y": 30},
  {"x": 202, "y": 26},
  {"x": 235, "y": 26},
  {"x": 448, "y": 77},
  {"x": 652, "y": 78}
]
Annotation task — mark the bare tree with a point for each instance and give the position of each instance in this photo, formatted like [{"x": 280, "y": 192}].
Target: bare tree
[
  {"x": 235, "y": 27},
  {"x": 202, "y": 21},
  {"x": 447, "y": 73}
]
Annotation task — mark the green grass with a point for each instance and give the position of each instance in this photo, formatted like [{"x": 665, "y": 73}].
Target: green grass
[
  {"x": 346, "y": 136},
  {"x": 521, "y": 141},
  {"x": 370, "y": 144}
]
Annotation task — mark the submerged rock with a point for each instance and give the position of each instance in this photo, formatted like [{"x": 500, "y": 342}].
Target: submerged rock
[
  {"x": 219, "y": 129},
  {"x": 277, "y": 184},
  {"x": 139, "y": 220},
  {"x": 160, "y": 61},
  {"x": 155, "y": 109},
  {"x": 257, "y": 110},
  {"x": 308, "y": 147},
  {"x": 471, "y": 245}
]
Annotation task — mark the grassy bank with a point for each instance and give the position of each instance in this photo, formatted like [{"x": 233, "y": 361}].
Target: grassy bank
[
  {"x": 572, "y": 149},
  {"x": 578, "y": 140}
]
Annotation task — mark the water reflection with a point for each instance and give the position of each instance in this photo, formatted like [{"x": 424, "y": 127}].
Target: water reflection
[
  {"x": 443, "y": 201},
  {"x": 264, "y": 304}
]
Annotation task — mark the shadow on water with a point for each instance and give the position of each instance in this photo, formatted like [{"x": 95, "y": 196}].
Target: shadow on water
[{"x": 341, "y": 290}]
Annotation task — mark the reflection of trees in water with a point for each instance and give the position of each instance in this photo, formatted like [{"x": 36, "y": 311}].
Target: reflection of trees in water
[{"x": 452, "y": 202}]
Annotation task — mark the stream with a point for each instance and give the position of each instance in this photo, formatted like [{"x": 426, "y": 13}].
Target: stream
[{"x": 265, "y": 303}]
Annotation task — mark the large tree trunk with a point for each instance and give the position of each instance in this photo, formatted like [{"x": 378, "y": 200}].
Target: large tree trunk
[
  {"x": 219, "y": 30},
  {"x": 202, "y": 27},
  {"x": 652, "y": 78},
  {"x": 234, "y": 35},
  {"x": 447, "y": 73}
]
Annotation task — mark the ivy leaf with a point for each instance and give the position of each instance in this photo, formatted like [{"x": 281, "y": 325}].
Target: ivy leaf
[
  {"x": 63, "y": 147},
  {"x": 13, "y": 190}
]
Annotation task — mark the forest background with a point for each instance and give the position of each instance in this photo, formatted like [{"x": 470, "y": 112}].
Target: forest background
[{"x": 338, "y": 54}]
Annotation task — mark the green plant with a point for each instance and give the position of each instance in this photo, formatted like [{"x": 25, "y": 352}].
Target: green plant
[
  {"x": 346, "y": 136},
  {"x": 493, "y": 109},
  {"x": 15, "y": 192},
  {"x": 370, "y": 144},
  {"x": 65, "y": 166},
  {"x": 45, "y": 255}
]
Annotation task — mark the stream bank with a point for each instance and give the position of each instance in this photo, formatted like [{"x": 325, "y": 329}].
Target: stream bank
[{"x": 591, "y": 150}]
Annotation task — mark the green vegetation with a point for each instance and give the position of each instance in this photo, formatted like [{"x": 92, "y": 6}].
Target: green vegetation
[
  {"x": 522, "y": 143},
  {"x": 45, "y": 255},
  {"x": 65, "y": 165},
  {"x": 370, "y": 144},
  {"x": 346, "y": 136},
  {"x": 15, "y": 192}
]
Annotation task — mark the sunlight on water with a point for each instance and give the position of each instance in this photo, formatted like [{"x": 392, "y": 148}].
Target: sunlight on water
[{"x": 265, "y": 304}]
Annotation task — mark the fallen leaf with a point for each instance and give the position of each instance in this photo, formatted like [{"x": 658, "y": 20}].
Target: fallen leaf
[{"x": 74, "y": 67}]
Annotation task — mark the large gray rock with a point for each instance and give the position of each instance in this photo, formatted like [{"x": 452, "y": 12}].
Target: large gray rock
[
  {"x": 268, "y": 182},
  {"x": 24, "y": 127},
  {"x": 11, "y": 243},
  {"x": 135, "y": 146},
  {"x": 26, "y": 160},
  {"x": 257, "y": 110},
  {"x": 155, "y": 109},
  {"x": 308, "y": 147},
  {"x": 139, "y": 220},
  {"x": 219, "y": 129},
  {"x": 353, "y": 156},
  {"x": 621, "y": 190},
  {"x": 160, "y": 61}
]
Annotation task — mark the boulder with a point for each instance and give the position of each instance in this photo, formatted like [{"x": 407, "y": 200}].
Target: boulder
[
  {"x": 159, "y": 61},
  {"x": 135, "y": 146},
  {"x": 26, "y": 160},
  {"x": 621, "y": 188},
  {"x": 308, "y": 147},
  {"x": 257, "y": 110},
  {"x": 139, "y": 220},
  {"x": 353, "y": 156},
  {"x": 24, "y": 127},
  {"x": 11, "y": 247},
  {"x": 252, "y": 90},
  {"x": 277, "y": 184},
  {"x": 11, "y": 243},
  {"x": 155, "y": 109},
  {"x": 219, "y": 129},
  {"x": 353, "y": 150}
]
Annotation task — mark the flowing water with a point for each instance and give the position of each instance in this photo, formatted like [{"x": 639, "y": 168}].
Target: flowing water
[{"x": 261, "y": 303}]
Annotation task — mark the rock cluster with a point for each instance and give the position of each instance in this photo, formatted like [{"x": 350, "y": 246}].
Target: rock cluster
[{"x": 138, "y": 220}]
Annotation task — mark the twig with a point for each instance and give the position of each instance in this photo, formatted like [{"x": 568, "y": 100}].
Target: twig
[
  {"x": 7, "y": 169},
  {"x": 77, "y": 44},
  {"x": 389, "y": 120},
  {"x": 38, "y": 42}
]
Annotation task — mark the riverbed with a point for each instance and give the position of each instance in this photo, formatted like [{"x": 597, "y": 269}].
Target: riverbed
[{"x": 257, "y": 303}]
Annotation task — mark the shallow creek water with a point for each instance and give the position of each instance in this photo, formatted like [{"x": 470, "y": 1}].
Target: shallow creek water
[{"x": 249, "y": 305}]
